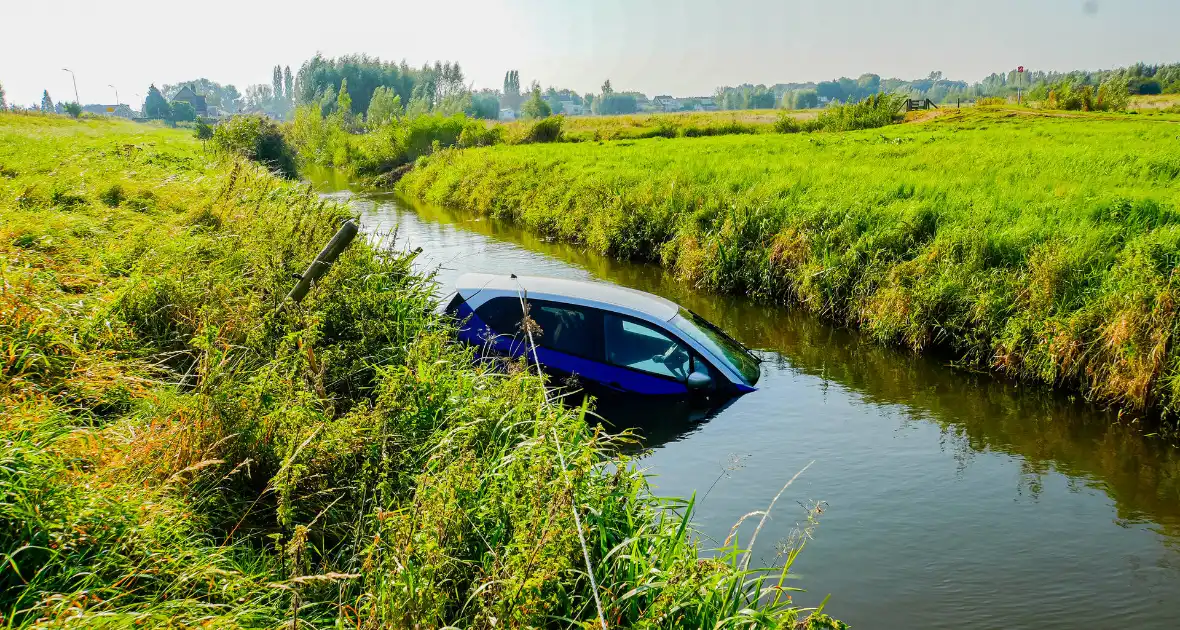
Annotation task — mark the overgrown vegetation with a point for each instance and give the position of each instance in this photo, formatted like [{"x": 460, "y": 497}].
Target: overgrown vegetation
[
  {"x": 1040, "y": 247},
  {"x": 178, "y": 451},
  {"x": 341, "y": 142},
  {"x": 256, "y": 138},
  {"x": 1112, "y": 95}
]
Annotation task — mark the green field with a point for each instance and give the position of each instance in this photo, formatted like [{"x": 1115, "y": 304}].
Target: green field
[
  {"x": 690, "y": 124},
  {"x": 176, "y": 451},
  {"x": 1040, "y": 245}
]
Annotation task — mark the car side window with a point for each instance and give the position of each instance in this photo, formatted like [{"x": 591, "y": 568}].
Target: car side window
[
  {"x": 502, "y": 315},
  {"x": 567, "y": 328},
  {"x": 640, "y": 346}
]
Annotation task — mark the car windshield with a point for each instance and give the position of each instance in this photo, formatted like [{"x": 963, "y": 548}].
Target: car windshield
[{"x": 719, "y": 344}]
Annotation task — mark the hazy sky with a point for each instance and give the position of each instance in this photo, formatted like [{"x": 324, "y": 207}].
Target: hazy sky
[{"x": 685, "y": 47}]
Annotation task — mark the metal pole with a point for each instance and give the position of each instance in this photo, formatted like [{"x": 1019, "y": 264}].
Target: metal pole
[
  {"x": 75, "y": 80},
  {"x": 117, "y": 103}
]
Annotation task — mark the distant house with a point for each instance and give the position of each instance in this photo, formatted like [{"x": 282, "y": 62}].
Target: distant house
[
  {"x": 703, "y": 104},
  {"x": 666, "y": 103},
  {"x": 507, "y": 114},
  {"x": 188, "y": 95},
  {"x": 572, "y": 109},
  {"x": 121, "y": 110}
]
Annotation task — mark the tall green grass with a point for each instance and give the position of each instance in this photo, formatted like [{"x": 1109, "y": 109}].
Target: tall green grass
[
  {"x": 1035, "y": 246},
  {"x": 175, "y": 450}
]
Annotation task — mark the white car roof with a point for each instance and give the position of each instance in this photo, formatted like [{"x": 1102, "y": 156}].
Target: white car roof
[{"x": 538, "y": 286}]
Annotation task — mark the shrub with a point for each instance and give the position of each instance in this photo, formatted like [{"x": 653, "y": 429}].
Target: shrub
[
  {"x": 544, "y": 130},
  {"x": 256, "y": 138},
  {"x": 1113, "y": 95},
  {"x": 787, "y": 123},
  {"x": 203, "y": 131},
  {"x": 1071, "y": 97},
  {"x": 73, "y": 109},
  {"x": 480, "y": 136},
  {"x": 875, "y": 111},
  {"x": 991, "y": 101}
]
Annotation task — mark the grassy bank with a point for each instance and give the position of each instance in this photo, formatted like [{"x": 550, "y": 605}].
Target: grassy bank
[
  {"x": 174, "y": 451},
  {"x": 387, "y": 149},
  {"x": 1038, "y": 246}
]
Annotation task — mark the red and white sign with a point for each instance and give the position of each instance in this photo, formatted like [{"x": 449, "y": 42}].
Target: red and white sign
[{"x": 1020, "y": 69}]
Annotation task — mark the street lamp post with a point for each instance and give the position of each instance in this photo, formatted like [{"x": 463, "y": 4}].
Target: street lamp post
[
  {"x": 75, "y": 80},
  {"x": 117, "y": 103}
]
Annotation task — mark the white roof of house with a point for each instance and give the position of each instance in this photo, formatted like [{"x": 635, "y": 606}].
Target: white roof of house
[{"x": 579, "y": 290}]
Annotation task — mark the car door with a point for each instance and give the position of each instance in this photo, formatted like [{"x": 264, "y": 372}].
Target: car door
[
  {"x": 641, "y": 358},
  {"x": 568, "y": 337}
]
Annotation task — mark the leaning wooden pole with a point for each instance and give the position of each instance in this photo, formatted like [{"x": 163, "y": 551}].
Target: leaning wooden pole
[{"x": 323, "y": 261}]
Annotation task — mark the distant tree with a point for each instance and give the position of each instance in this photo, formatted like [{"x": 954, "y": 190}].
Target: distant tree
[
  {"x": 276, "y": 83},
  {"x": 588, "y": 101},
  {"x": 511, "y": 89},
  {"x": 288, "y": 84},
  {"x": 365, "y": 73},
  {"x": 343, "y": 100},
  {"x": 183, "y": 111},
  {"x": 449, "y": 81},
  {"x": 1145, "y": 86},
  {"x": 611, "y": 104},
  {"x": 419, "y": 106},
  {"x": 259, "y": 97},
  {"x": 484, "y": 105},
  {"x": 46, "y": 103},
  {"x": 829, "y": 89},
  {"x": 3, "y": 104},
  {"x": 328, "y": 101},
  {"x": 607, "y": 90},
  {"x": 231, "y": 98},
  {"x": 536, "y": 107},
  {"x": 384, "y": 106},
  {"x": 73, "y": 109},
  {"x": 869, "y": 84},
  {"x": 155, "y": 105},
  {"x": 801, "y": 99}
]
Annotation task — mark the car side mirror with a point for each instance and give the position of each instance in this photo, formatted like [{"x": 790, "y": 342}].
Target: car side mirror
[{"x": 699, "y": 380}]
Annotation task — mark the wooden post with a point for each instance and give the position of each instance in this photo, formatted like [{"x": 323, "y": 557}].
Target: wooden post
[{"x": 323, "y": 261}]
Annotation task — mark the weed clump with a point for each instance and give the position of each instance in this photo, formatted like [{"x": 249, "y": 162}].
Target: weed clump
[
  {"x": 543, "y": 130},
  {"x": 112, "y": 195}
]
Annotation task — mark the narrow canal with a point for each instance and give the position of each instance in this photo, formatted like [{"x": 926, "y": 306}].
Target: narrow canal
[{"x": 952, "y": 500}]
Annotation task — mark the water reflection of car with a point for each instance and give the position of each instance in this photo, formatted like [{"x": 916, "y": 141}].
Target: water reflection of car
[{"x": 611, "y": 339}]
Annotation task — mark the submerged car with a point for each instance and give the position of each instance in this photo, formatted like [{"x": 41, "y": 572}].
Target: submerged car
[{"x": 610, "y": 339}]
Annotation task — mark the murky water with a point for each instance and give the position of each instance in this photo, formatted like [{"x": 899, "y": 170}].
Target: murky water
[{"x": 952, "y": 501}]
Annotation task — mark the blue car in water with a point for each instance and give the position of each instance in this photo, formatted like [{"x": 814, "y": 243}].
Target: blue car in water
[{"x": 610, "y": 339}]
